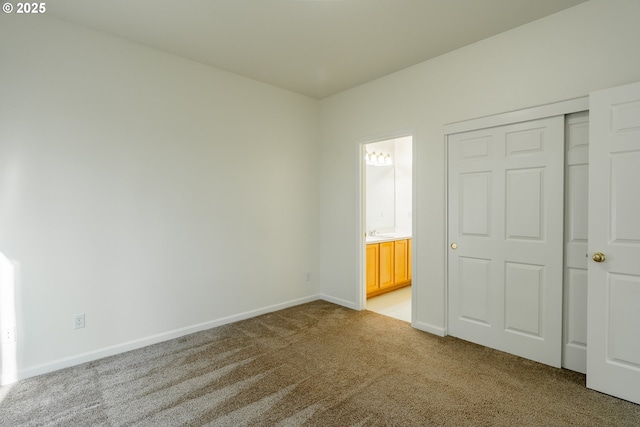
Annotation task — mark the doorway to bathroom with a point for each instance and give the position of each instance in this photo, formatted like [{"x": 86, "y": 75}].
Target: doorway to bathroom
[{"x": 387, "y": 225}]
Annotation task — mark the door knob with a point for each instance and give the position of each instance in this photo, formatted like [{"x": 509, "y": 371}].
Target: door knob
[
  {"x": 599, "y": 257},
  {"x": 454, "y": 246}
]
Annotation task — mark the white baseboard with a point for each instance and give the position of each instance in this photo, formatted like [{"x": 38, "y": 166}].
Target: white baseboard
[
  {"x": 339, "y": 301},
  {"x": 432, "y": 329},
  {"x": 146, "y": 341}
]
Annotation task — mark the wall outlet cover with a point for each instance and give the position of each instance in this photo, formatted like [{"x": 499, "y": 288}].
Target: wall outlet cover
[
  {"x": 9, "y": 335},
  {"x": 78, "y": 321}
]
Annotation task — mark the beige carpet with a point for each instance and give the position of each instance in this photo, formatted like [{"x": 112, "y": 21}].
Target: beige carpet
[{"x": 316, "y": 364}]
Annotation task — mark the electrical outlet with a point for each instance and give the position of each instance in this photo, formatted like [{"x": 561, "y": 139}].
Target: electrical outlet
[
  {"x": 9, "y": 335},
  {"x": 78, "y": 321},
  {"x": 307, "y": 276}
]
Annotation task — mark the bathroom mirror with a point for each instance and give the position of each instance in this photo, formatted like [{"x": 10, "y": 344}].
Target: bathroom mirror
[{"x": 380, "y": 193}]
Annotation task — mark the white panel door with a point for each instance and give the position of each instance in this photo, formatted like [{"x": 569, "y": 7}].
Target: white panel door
[
  {"x": 613, "y": 326},
  {"x": 505, "y": 207},
  {"x": 574, "y": 352}
]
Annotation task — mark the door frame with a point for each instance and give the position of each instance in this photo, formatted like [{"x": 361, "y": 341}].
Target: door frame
[
  {"x": 361, "y": 273},
  {"x": 534, "y": 113}
]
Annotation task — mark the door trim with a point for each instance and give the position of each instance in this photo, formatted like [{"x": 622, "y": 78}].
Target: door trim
[
  {"x": 539, "y": 112},
  {"x": 361, "y": 293}
]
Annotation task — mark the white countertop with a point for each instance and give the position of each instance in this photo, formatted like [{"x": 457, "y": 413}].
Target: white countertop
[{"x": 387, "y": 237}]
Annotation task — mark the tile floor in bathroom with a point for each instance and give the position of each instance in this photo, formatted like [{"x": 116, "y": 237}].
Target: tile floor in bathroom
[{"x": 393, "y": 304}]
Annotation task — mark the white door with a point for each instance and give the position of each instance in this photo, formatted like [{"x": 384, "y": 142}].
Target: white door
[
  {"x": 613, "y": 326},
  {"x": 576, "y": 205},
  {"x": 505, "y": 230}
]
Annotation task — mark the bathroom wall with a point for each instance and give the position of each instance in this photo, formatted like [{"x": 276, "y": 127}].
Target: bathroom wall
[{"x": 404, "y": 185}]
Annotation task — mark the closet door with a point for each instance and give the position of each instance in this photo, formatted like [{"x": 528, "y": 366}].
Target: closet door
[
  {"x": 613, "y": 332},
  {"x": 574, "y": 352},
  {"x": 505, "y": 208}
]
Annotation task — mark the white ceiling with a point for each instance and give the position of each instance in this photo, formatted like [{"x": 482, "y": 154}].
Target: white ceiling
[{"x": 313, "y": 47}]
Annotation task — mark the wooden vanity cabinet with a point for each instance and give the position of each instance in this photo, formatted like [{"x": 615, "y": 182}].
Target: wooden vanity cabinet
[
  {"x": 373, "y": 268},
  {"x": 385, "y": 268},
  {"x": 401, "y": 265},
  {"x": 388, "y": 266},
  {"x": 409, "y": 258}
]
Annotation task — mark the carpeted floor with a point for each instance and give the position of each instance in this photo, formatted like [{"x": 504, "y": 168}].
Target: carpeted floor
[{"x": 316, "y": 364}]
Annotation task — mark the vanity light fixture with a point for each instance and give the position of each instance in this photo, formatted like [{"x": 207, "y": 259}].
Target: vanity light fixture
[
  {"x": 378, "y": 159},
  {"x": 368, "y": 157}
]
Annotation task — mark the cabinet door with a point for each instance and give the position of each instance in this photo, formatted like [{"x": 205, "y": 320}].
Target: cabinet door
[
  {"x": 401, "y": 268},
  {"x": 372, "y": 267},
  {"x": 386, "y": 264},
  {"x": 409, "y": 258}
]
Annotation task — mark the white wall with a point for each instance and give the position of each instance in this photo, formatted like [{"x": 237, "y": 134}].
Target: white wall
[
  {"x": 564, "y": 56},
  {"x": 149, "y": 192},
  {"x": 403, "y": 165}
]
